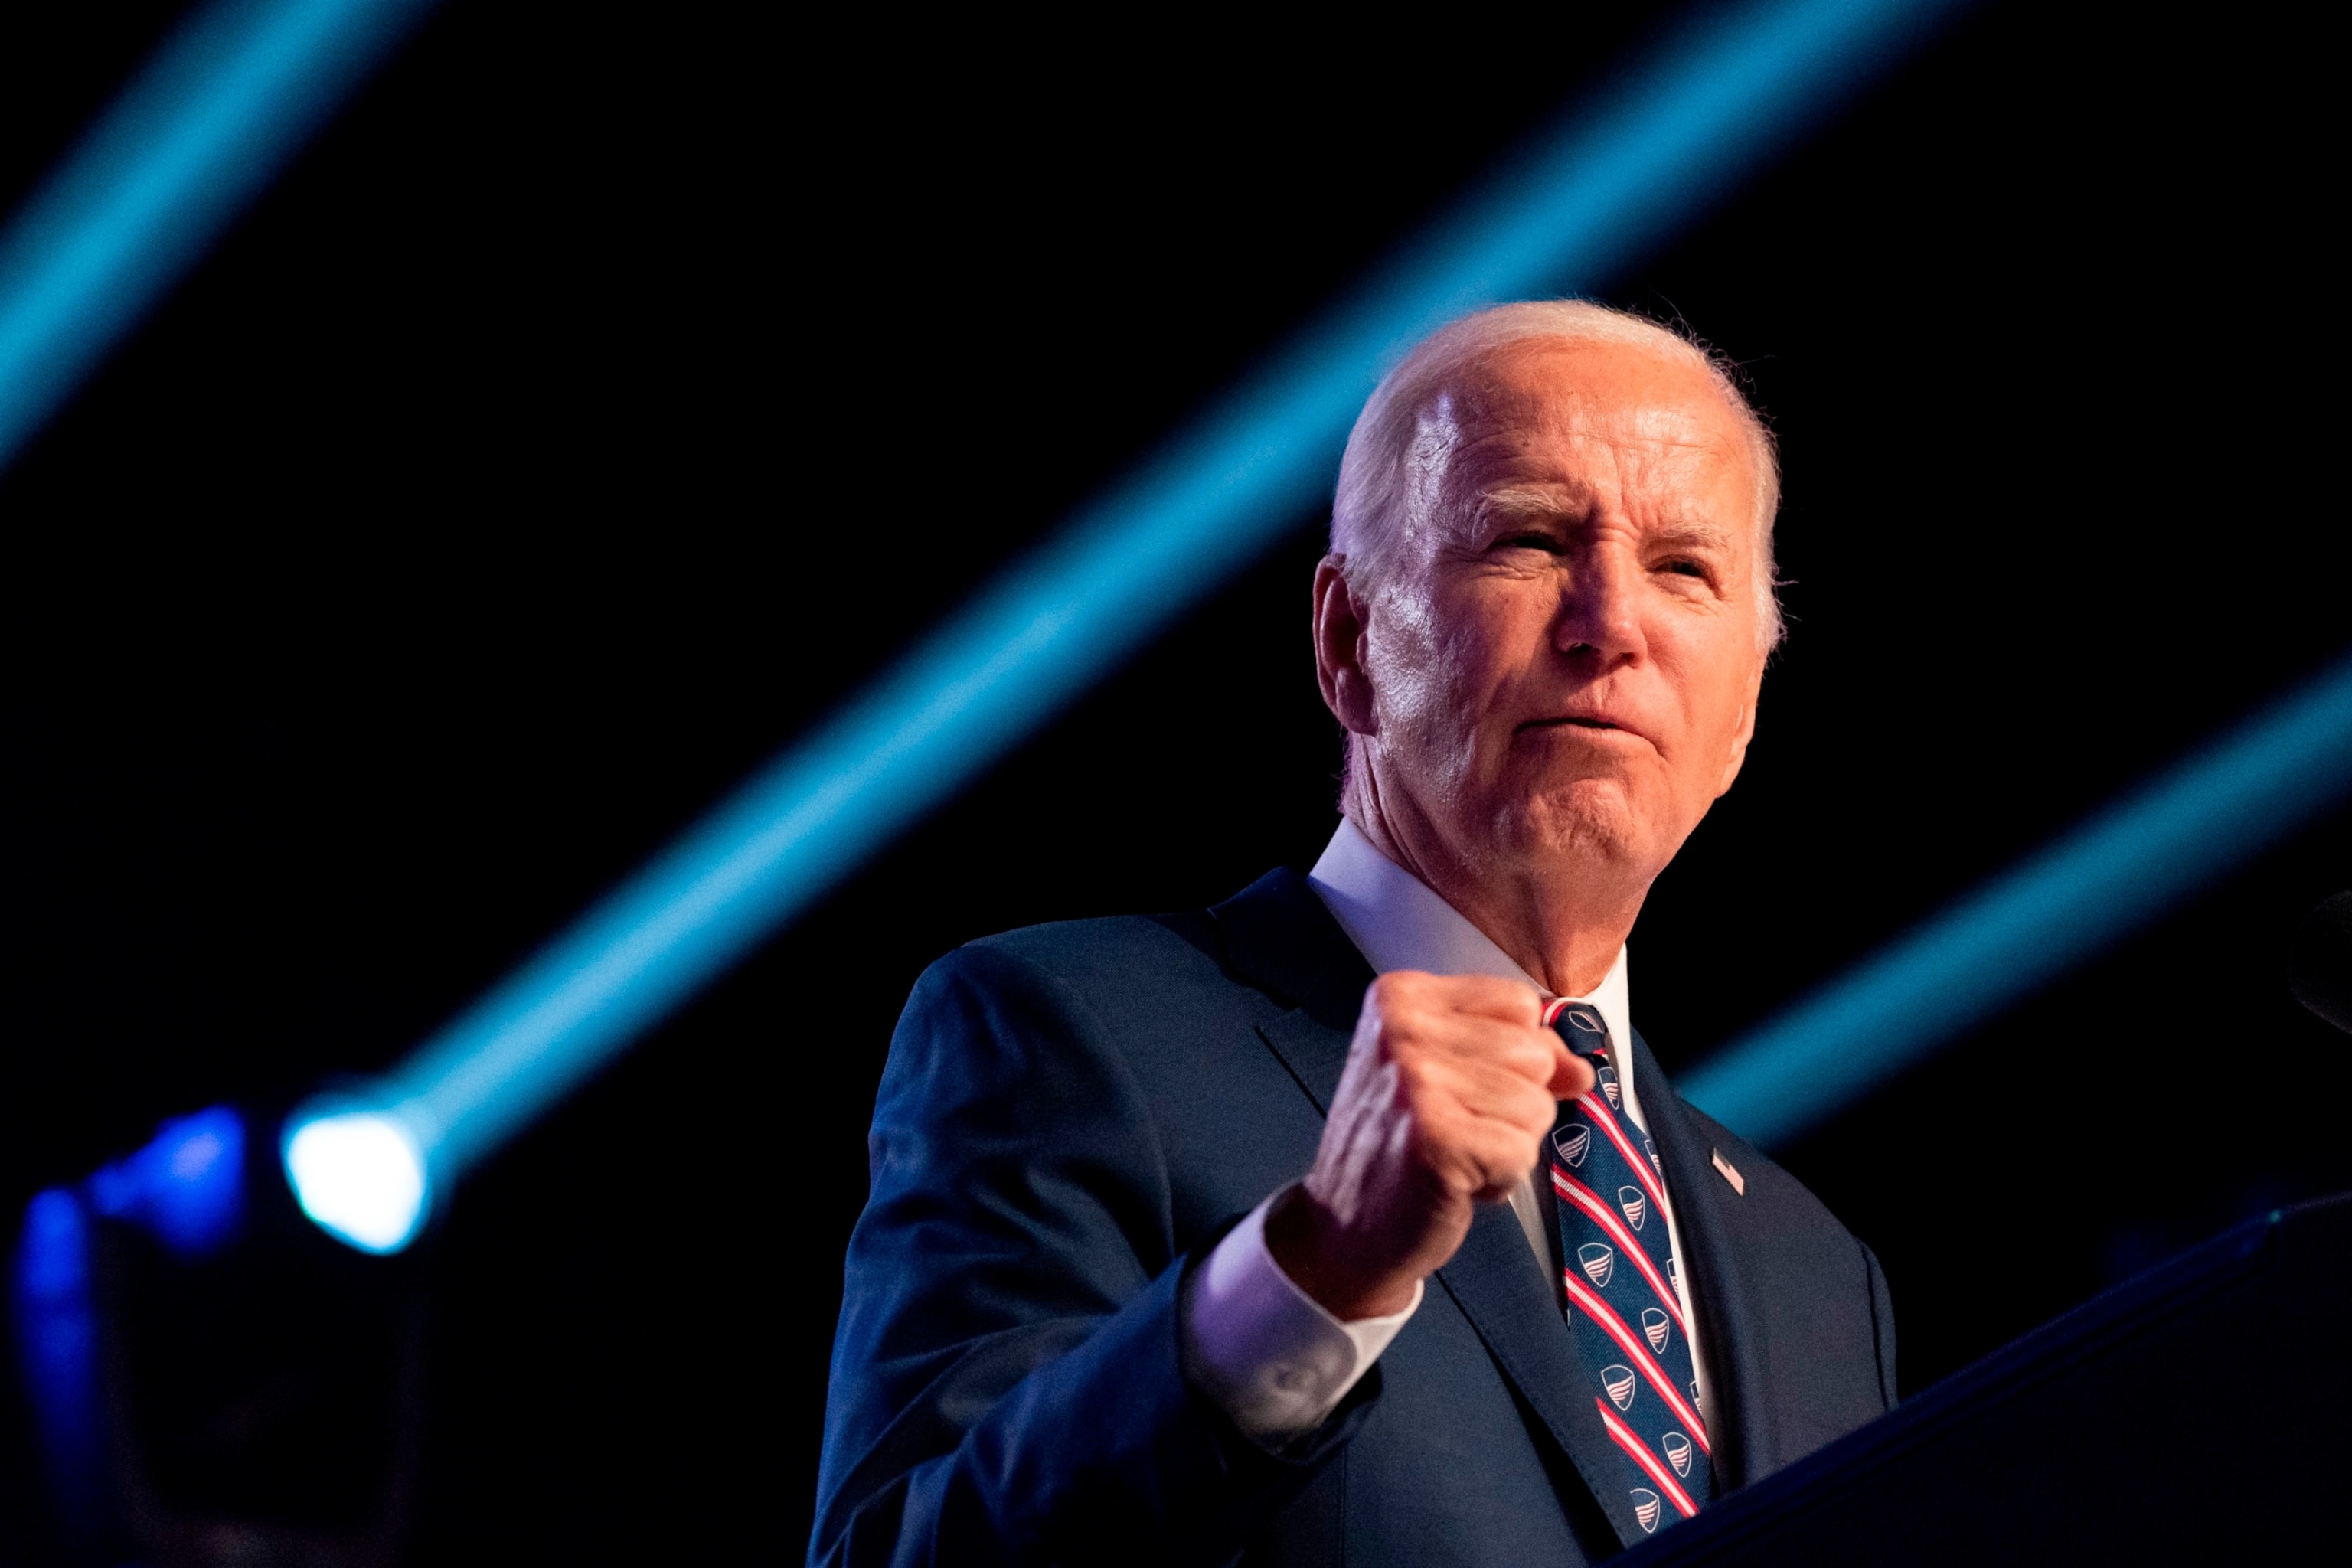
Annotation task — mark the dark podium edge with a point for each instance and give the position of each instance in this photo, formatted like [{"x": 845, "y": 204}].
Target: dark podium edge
[{"x": 2132, "y": 1310}]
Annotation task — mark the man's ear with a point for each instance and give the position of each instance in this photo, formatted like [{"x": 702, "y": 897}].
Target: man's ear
[
  {"x": 1747, "y": 733},
  {"x": 1339, "y": 648}
]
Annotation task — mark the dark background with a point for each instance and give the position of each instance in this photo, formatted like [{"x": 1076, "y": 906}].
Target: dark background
[{"x": 610, "y": 391}]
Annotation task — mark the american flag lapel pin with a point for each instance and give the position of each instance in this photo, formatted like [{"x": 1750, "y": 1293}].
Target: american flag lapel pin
[{"x": 1730, "y": 1173}]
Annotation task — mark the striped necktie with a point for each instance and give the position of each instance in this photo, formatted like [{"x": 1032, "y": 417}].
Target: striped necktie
[{"x": 1618, "y": 1258}]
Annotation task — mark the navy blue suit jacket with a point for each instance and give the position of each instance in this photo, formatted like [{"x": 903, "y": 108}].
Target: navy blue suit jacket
[{"x": 1072, "y": 1114}]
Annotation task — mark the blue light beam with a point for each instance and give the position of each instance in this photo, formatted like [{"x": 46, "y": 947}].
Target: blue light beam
[
  {"x": 2212, "y": 811},
  {"x": 1724, "y": 94},
  {"x": 194, "y": 137}
]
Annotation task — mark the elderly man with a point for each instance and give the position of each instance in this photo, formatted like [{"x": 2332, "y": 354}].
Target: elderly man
[{"x": 1350, "y": 1220}]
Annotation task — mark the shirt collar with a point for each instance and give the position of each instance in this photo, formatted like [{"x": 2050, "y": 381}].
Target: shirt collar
[{"x": 1398, "y": 921}]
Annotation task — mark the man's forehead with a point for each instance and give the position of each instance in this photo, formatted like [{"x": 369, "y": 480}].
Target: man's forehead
[
  {"x": 1574, "y": 413},
  {"x": 1590, "y": 391}
]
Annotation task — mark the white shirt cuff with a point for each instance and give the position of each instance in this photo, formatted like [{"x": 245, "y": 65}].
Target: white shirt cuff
[{"x": 1265, "y": 1350}]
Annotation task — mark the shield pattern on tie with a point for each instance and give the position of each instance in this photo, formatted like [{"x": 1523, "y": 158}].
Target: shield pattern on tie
[
  {"x": 1599, "y": 1261},
  {"x": 1623, "y": 1286},
  {"x": 1619, "y": 1382}
]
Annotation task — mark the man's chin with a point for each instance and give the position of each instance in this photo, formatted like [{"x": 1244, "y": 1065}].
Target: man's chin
[{"x": 1590, "y": 821}]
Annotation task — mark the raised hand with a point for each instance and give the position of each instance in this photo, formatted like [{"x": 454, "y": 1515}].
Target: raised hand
[{"x": 1451, "y": 1085}]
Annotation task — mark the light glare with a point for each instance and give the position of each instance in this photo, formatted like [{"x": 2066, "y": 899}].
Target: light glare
[{"x": 361, "y": 1176}]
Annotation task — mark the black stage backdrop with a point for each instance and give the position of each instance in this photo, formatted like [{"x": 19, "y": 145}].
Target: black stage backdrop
[{"x": 611, "y": 390}]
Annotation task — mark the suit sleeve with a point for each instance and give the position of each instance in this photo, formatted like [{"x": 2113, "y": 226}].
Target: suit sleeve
[{"x": 1006, "y": 1382}]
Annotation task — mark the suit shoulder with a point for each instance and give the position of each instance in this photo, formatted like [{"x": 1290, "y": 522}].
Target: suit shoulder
[
  {"x": 1151, "y": 990},
  {"x": 1768, "y": 1187},
  {"x": 1131, "y": 1024},
  {"x": 1823, "y": 1324},
  {"x": 1120, "y": 961}
]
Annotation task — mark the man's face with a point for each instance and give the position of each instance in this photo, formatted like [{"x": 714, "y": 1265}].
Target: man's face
[{"x": 1564, "y": 659}]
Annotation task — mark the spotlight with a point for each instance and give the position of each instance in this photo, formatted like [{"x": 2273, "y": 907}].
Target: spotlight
[
  {"x": 361, "y": 1176},
  {"x": 216, "y": 1376},
  {"x": 187, "y": 1187}
]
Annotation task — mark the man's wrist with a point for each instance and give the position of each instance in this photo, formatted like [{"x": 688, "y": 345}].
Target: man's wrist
[
  {"x": 1276, "y": 1360},
  {"x": 1308, "y": 1244}
]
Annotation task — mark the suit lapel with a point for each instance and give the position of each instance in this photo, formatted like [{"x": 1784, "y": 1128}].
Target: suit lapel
[
  {"x": 1277, "y": 932},
  {"x": 1706, "y": 1212},
  {"x": 1500, "y": 1287},
  {"x": 1313, "y": 1051},
  {"x": 1278, "y": 935}
]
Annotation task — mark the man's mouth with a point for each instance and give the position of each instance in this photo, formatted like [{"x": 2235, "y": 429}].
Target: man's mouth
[{"x": 1591, "y": 723}]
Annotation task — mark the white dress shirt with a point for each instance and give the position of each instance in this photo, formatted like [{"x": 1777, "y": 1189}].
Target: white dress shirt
[{"x": 1253, "y": 1340}]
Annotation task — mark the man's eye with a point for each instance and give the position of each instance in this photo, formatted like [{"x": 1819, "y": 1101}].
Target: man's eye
[
  {"x": 1683, "y": 568},
  {"x": 1528, "y": 541}
]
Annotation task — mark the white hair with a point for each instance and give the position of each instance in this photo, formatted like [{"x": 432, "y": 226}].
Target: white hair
[{"x": 1383, "y": 462}]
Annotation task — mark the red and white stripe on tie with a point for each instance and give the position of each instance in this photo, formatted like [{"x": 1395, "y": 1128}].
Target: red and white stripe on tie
[
  {"x": 1595, "y": 1107},
  {"x": 1637, "y": 1350},
  {"x": 1572, "y": 1191},
  {"x": 1639, "y": 1452}
]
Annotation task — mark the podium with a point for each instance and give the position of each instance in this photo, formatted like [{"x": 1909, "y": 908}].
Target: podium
[{"x": 2200, "y": 1413}]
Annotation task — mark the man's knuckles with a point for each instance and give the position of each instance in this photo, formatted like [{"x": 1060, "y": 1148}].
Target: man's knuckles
[
  {"x": 1510, "y": 1121},
  {"x": 1525, "y": 1053},
  {"x": 1401, "y": 994},
  {"x": 1507, "y": 1001},
  {"x": 1438, "y": 1078},
  {"x": 1405, "y": 994}
]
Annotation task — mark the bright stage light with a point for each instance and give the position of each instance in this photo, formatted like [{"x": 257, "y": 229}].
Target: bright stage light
[{"x": 361, "y": 1176}]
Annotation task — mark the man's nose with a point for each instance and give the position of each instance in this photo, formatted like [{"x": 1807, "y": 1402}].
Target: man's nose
[{"x": 1600, "y": 610}]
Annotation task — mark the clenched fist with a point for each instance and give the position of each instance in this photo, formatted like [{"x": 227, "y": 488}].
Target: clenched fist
[{"x": 1451, "y": 1085}]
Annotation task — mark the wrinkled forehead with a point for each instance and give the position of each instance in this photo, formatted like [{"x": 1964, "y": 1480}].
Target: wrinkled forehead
[{"x": 1643, "y": 426}]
